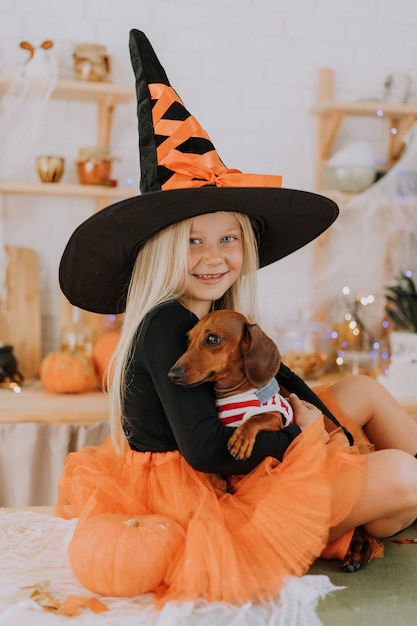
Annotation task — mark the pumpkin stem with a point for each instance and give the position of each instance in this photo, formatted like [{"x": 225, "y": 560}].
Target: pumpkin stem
[{"x": 133, "y": 522}]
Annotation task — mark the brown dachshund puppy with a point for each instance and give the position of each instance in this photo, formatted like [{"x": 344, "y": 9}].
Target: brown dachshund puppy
[{"x": 237, "y": 357}]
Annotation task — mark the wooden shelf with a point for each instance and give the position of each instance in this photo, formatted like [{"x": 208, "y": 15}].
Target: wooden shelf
[
  {"x": 366, "y": 108},
  {"x": 330, "y": 114},
  {"x": 35, "y": 404},
  {"x": 94, "y": 91},
  {"x": 81, "y": 90},
  {"x": 59, "y": 189}
]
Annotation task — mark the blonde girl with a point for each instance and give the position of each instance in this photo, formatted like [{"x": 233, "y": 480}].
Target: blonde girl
[{"x": 189, "y": 244}]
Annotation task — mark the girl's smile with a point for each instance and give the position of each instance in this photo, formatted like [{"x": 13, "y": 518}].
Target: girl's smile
[
  {"x": 214, "y": 261},
  {"x": 209, "y": 278}
]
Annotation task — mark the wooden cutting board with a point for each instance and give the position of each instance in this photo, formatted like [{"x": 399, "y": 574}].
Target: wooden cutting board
[{"x": 20, "y": 315}]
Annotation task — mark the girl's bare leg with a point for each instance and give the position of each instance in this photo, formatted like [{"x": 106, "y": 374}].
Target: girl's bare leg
[
  {"x": 385, "y": 422},
  {"x": 388, "y": 502}
]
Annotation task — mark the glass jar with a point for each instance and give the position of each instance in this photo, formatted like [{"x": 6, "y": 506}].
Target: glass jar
[
  {"x": 94, "y": 166},
  {"x": 77, "y": 337},
  {"x": 91, "y": 62},
  {"x": 305, "y": 349}
]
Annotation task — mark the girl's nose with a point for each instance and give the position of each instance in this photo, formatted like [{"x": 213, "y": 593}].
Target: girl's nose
[{"x": 212, "y": 255}]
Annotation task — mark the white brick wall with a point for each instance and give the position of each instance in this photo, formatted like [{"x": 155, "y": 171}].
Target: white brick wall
[{"x": 246, "y": 68}]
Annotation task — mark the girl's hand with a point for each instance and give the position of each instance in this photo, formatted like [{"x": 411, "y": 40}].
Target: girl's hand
[{"x": 304, "y": 412}]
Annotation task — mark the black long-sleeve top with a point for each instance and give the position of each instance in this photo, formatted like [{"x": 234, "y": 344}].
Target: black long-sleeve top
[{"x": 163, "y": 416}]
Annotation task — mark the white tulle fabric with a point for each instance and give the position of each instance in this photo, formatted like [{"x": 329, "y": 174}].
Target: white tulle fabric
[{"x": 33, "y": 549}]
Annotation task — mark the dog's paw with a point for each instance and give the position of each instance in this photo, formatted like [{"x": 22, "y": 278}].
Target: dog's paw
[
  {"x": 240, "y": 446},
  {"x": 238, "y": 455},
  {"x": 359, "y": 553},
  {"x": 220, "y": 483}
]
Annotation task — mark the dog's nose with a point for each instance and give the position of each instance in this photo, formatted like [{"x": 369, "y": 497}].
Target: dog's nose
[{"x": 176, "y": 374}]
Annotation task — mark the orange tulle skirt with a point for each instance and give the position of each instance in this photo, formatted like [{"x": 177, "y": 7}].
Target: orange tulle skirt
[{"x": 238, "y": 547}]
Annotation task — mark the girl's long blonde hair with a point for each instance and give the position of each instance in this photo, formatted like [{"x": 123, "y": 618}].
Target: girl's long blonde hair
[{"x": 159, "y": 276}]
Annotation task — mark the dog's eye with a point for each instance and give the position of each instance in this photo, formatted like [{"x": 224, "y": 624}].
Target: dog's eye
[{"x": 212, "y": 340}]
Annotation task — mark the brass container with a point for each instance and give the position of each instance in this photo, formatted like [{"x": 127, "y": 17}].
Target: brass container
[{"x": 50, "y": 168}]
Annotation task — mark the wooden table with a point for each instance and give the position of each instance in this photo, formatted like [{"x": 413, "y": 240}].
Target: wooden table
[
  {"x": 38, "y": 430},
  {"x": 35, "y": 404}
]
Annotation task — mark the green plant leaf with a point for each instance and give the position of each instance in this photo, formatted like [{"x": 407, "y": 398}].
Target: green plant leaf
[{"x": 401, "y": 303}]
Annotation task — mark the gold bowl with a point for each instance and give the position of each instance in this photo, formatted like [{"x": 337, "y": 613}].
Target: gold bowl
[{"x": 50, "y": 168}]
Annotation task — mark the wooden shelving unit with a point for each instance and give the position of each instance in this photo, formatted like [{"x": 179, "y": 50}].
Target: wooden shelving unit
[
  {"x": 396, "y": 120},
  {"x": 330, "y": 114},
  {"x": 107, "y": 96}
]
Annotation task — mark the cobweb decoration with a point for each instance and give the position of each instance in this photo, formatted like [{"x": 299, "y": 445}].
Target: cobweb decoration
[
  {"x": 24, "y": 97},
  {"x": 375, "y": 235},
  {"x": 33, "y": 549}
]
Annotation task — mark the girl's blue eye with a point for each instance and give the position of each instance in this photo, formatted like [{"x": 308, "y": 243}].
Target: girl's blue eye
[{"x": 226, "y": 239}]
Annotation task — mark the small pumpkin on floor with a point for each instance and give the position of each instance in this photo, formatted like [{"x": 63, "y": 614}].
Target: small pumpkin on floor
[
  {"x": 124, "y": 555},
  {"x": 66, "y": 372}
]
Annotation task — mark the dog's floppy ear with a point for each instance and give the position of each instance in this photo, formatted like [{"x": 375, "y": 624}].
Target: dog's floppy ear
[{"x": 262, "y": 359}]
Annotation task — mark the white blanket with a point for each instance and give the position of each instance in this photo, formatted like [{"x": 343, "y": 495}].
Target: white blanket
[{"x": 33, "y": 550}]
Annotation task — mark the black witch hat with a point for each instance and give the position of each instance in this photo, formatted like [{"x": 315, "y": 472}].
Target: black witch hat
[{"x": 181, "y": 176}]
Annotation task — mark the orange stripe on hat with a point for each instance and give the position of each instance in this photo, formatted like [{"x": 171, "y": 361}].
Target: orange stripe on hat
[
  {"x": 181, "y": 132},
  {"x": 193, "y": 170}
]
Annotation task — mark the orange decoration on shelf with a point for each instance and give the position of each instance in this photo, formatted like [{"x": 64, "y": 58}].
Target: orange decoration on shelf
[
  {"x": 124, "y": 555},
  {"x": 63, "y": 372},
  {"x": 103, "y": 350}
]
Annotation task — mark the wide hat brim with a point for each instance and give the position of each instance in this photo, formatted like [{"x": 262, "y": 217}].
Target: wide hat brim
[{"x": 98, "y": 260}]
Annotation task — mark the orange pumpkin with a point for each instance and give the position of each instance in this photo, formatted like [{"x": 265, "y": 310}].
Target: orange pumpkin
[
  {"x": 63, "y": 372},
  {"x": 103, "y": 350},
  {"x": 121, "y": 555}
]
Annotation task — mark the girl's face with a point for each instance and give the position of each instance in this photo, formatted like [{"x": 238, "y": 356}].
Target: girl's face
[{"x": 215, "y": 260}]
